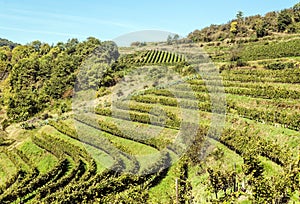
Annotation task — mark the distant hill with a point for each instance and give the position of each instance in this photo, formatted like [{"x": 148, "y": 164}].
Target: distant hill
[
  {"x": 142, "y": 36},
  {"x": 275, "y": 22},
  {"x": 5, "y": 42}
]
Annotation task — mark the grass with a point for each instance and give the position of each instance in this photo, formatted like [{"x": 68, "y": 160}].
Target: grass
[
  {"x": 295, "y": 199},
  {"x": 229, "y": 160},
  {"x": 283, "y": 136},
  {"x": 100, "y": 157},
  {"x": 95, "y": 134},
  {"x": 279, "y": 134},
  {"x": 164, "y": 192},
  {"x": 200, "y": 188},
  {"x": 103, "y": 160},
  {"x": 163, "y": 134},
  {"x": 7, "y": 168},
  {"x": 271, "y": 169},
  {"x": 44, "y": 160},
  {"x": 141, "y": 151},
  {"x": 260, "y": 102}
]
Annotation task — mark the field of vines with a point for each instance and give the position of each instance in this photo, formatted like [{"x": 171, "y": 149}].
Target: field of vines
[
  {"x": 266, "y": 50},
  {"x": 152, "y": 57},
  {"x": 263, "y": 49},
  {"x": 133, "y": 150}
]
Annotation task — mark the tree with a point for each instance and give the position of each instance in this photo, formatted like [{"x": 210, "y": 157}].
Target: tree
[
  {"x": 169, "y": 40},
  {"x": 4, "y": 123},
  {"x": 233, "y": 28},
  {"x": 296, "y": 10},
  {"x": 62, "y": 75},
  {"x": 91, "y": 74},
  {"x": 195, "y": 36},
  {"x": 5, "y": 58},
  {"x": 175, "y": 37},
  {"x": 10, "y": 44},
  {"x": 71, "y": 45},
  {"x": 138, "y": 44},
  {"x": 23, "y": 99},
  {"x": 22, "y": 105},
  {"x": 21, "y": 52},
  {"x": 36, "y": 45},
  {"x": 45, "y": 49},
  {"x": 261, "y": 28},
  {"x": 240, "y": 16},
  {"x": 293, "y": 175},
  {"x": 24, "y": 74},
  {"x": 284, "y": 20},
  {"x": 40, "y": 73},
  {"x": 107, "y": 52},
  {"x": 87, "y": 47}
]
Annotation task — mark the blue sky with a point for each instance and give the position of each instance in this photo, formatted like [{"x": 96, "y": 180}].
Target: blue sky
[{"x": 58, "y": 20}]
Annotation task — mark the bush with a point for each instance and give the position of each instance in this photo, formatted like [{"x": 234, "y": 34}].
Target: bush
[
  {"x": 102, "y": 91},
  {"x": 27, "y": 126},
  {"x": 5, "y": 123},
  {"x": 241, "y": 63},
  {"x": 280, "y": 65}
]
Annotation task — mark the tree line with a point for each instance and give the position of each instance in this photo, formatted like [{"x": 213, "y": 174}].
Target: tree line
[
  {"x": 257, "y": 26},
  {"x": 39, "y": 75}
]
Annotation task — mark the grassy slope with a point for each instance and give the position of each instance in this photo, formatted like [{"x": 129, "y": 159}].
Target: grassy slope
[
  {"x": 7, "y": 168},
  {"x": 44, "y": 160},
  {"x": 102, "y": 159}
]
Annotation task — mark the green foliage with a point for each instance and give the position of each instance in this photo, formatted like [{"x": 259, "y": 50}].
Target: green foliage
[
  {"x": 261, "y": 28},
  {"x": 94, "y": 74},
  {"x": 296, "y": 9},
  {"x": 272, "y": 50},
  {"x": 241, "y": 63},
  {"x": 240, "y": 15},
  {"x": 282, "y": 21},
  {"x": 252, "y": 166},
  {"x": 5, "y": 42},
  {"x": 41, "y": 74},
  {"x": 22, "y": 105},
  {"x": 152, "y": 57},
  {"x": 221, "y": 180},
  {"x": 172, "y": 39},
  {"x": 64, "y": 128},
  {"x": 4, "y": 124},
  {"x": 266, "y": 189},
  {"x": 102, "y": 91},
  {"x": 280, "y": 65}
]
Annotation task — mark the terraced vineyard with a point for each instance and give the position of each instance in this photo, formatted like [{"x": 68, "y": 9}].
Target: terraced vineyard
[
  {"x": 257, "y": 51},
  {"x": 132, "y": 150},
  {"x": 153, "y": 57}
]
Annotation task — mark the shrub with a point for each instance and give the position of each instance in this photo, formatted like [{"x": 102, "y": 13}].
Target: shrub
[
  {"x": 241, "y": 63},
  {"x": 279, "y": 65}
]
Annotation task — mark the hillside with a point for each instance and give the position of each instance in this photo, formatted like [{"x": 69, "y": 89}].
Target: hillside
[
  {"x": 272, "y": 23},
  {"x": 209, "y": 121}
]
